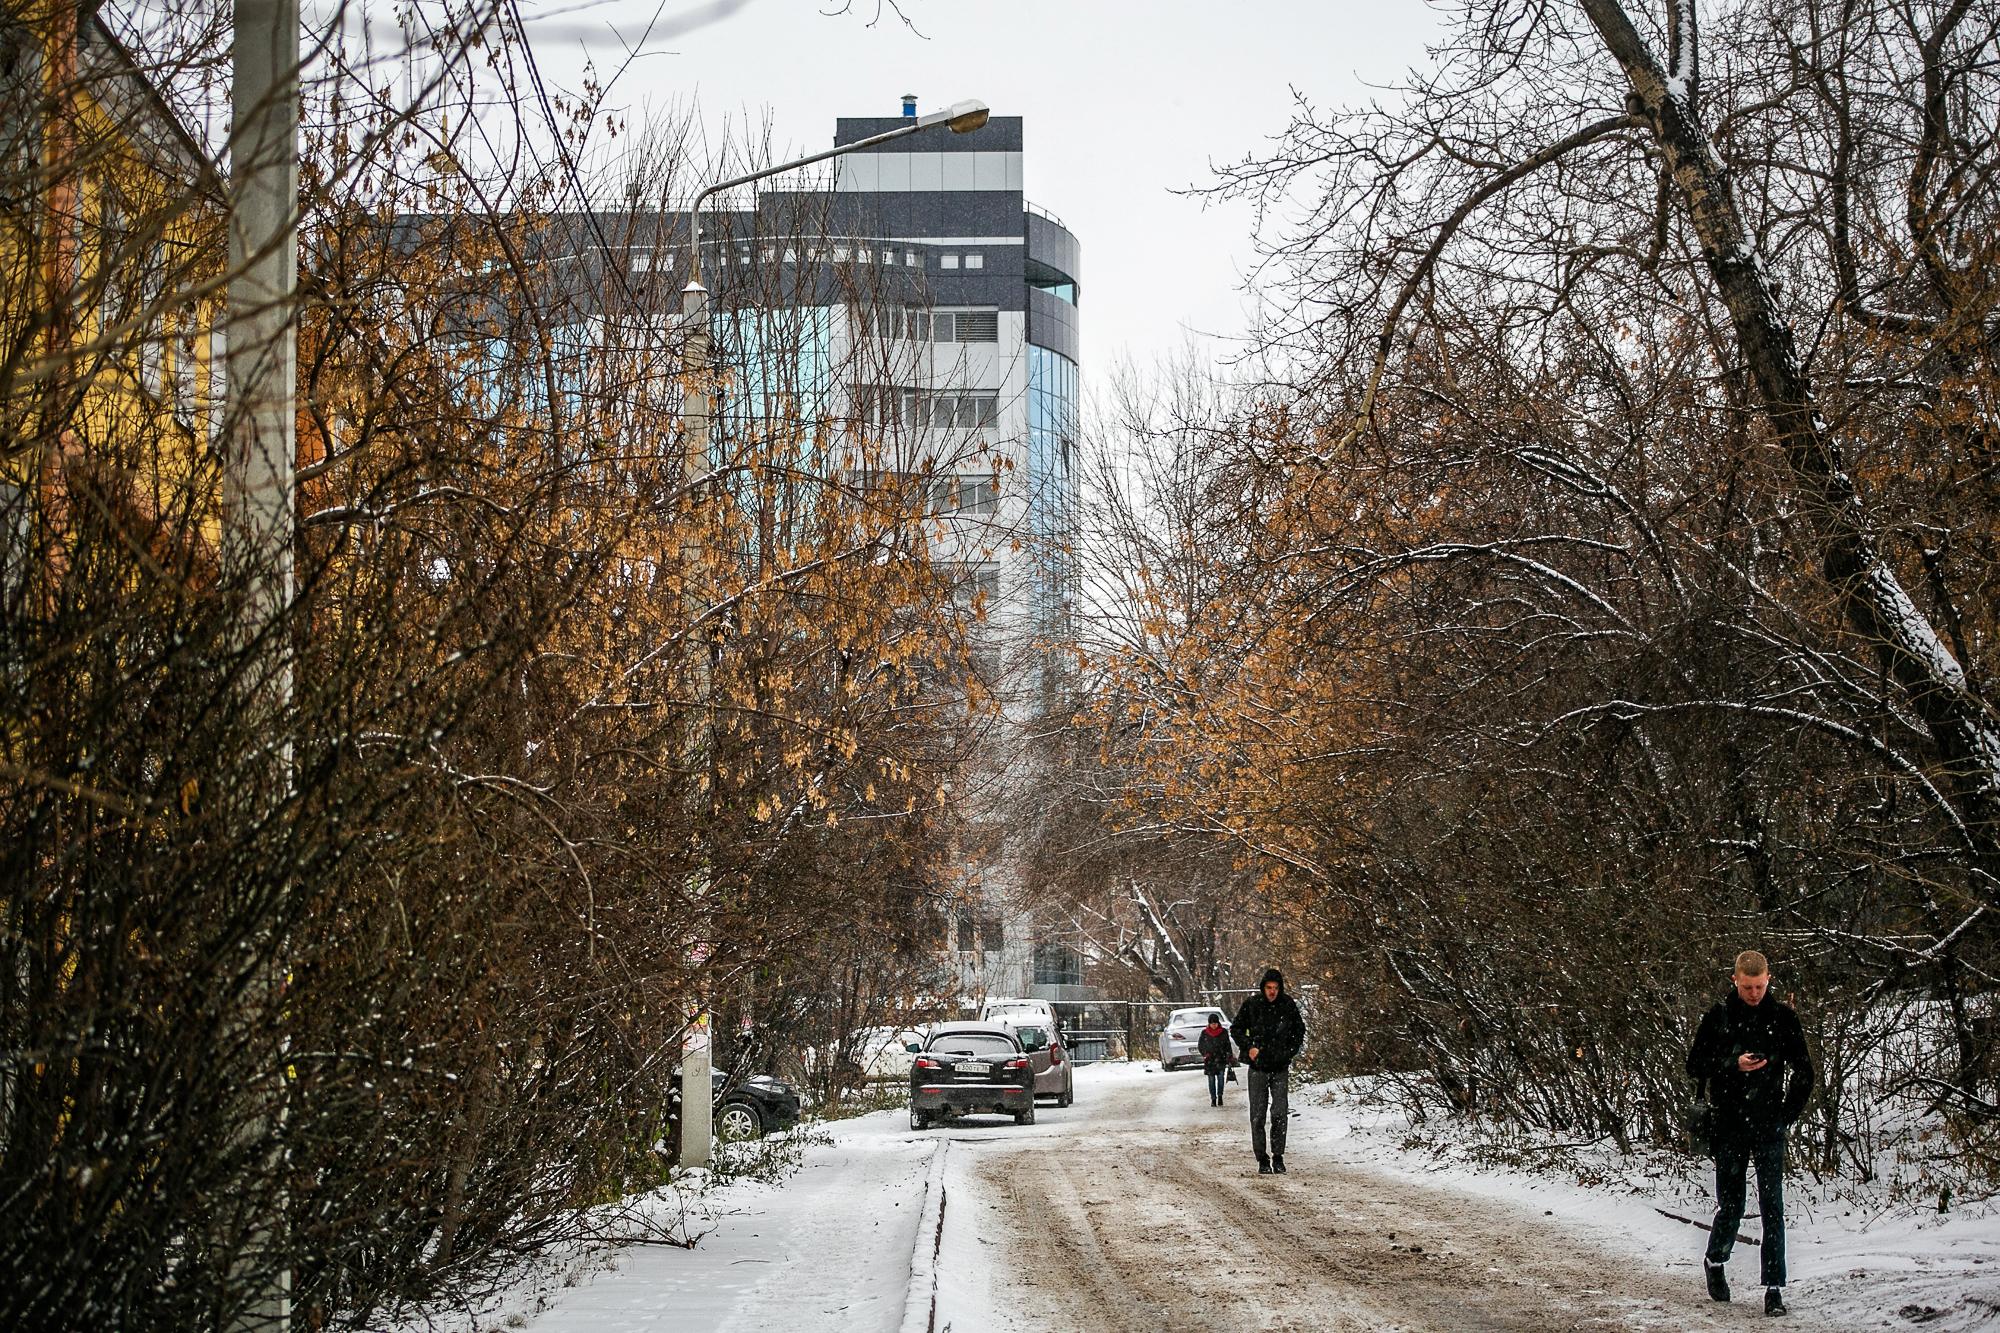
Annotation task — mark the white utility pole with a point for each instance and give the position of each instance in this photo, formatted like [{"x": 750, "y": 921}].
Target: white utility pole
[
  {"x": 697, "y": 409},
  {"x": 697, "y": 413},
  {"x": 261, "y": 327},
  {"x": 261, "y": 461}
]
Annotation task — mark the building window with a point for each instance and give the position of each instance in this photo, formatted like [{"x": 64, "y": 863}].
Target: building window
[
  {"x": 20, "y": 100},
  {"x": 17, "y": 534},
  {"x": 974, "y": 494},
  {"x": 945, "y": 326},
  {"x": 969, "y": 326},
  {"x": 968, "y": 937},
  {"x": 840, "y": 254},
  {"x": 889, "y": 405},
  {"x": 153, "y": 334},
  {"x": 218, "y": 381},
  {"x": 187, "y": 384},
  {"x": 992, "y": 937},
  {"x": 641, "y": 261},
  {"x": 912, "y": 260},
  {"x": 970, "y": 583},
  {"x": 975, "y": 261},
  {"x": 1058, "y": 965},
  {"x": 947, "y": 261}
]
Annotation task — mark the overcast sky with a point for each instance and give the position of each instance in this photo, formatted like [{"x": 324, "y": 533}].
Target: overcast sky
[{"x": 1125, "y": 101}]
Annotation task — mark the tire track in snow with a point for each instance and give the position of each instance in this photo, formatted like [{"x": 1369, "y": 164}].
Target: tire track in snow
[{"x": 1146, "y": 1214}]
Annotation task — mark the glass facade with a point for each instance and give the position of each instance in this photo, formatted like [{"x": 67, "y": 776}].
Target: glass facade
[
  {"x": 780, "y": 360},
  {"x": 1057, "y": 965},
  {"x": 1052, "y": 428}
]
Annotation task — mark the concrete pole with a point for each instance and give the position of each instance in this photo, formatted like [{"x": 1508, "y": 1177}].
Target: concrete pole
[
  {"x": 697, "y": 411},
  {"x": 258, "y": 477},
  {"x": 262, "y": 346}
]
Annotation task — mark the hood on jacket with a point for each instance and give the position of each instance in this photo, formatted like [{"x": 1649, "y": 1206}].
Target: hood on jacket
[{"x": 1273, "y": 974}]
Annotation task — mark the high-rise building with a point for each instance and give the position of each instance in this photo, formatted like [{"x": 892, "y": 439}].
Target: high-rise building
[
  {"x": 952, "y": 206},
  {"x": 939, "y": 252},
  {"x": 913, "y": 304}
]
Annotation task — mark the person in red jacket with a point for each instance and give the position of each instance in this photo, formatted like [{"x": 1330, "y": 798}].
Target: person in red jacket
[{"x": 1216, "y": 1056}]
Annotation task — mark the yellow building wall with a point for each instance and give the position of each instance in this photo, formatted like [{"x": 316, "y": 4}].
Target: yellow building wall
[{"x": 109, "y": 294}]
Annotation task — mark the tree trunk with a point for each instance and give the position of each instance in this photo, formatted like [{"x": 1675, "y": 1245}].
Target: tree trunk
[{"x": 1872, "y": 596}]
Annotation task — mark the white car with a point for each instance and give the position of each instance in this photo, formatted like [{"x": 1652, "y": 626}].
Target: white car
[
  {"x": 1180, "y": 1039},
  {"x": 1009, "y": 1009},
  {"x": 884, "y": 1053}
]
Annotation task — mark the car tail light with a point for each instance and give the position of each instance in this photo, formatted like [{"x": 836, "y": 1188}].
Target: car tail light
[
  {"x": 1018, "y": 1062},
  {"x": 924, "y": 1062},
  {"x": 1055, "y": 1055}
]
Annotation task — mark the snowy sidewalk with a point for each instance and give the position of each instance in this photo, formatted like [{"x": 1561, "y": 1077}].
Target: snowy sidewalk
[{"x": 830, "y": 1248}]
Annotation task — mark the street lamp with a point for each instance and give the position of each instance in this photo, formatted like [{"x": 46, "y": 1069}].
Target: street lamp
[
  {"x": 697, "y": 1092},
  {"x": 960, "y": 117}
]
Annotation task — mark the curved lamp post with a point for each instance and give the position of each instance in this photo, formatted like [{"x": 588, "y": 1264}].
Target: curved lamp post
[{"x": 697, "y": 1094}]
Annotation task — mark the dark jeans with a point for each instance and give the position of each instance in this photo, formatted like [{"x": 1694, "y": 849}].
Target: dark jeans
[
  {"x": 1733, "y": 1156},
  {"x": 1269, "y": 1090},
  {"x": 1215, "y": 1081}
]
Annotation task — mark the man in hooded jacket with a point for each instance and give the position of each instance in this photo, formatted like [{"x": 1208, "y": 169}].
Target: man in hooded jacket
[{"x": 1270, "y": 1031}]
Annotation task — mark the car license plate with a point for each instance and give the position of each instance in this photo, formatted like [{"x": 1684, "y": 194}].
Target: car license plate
[{"x": 982, "y": 1070}]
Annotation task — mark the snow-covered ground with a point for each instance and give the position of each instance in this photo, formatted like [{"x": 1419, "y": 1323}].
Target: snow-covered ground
[
  {"x": 1095, "y": 1209},
  {"x": 1854, "y": 1261}
]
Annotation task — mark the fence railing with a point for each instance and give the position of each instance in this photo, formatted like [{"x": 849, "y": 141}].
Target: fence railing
[{"x": 1128, "y": 1029}]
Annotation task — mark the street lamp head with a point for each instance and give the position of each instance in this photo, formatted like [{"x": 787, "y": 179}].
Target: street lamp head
[
  {"x": 966, "y": 116},
  {"x": 962, "y": 117}
]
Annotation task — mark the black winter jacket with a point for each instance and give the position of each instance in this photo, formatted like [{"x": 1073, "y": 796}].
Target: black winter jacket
[
  {"x": 1215, "y": 1052},
  {"x": 1756, "y": 1104},
  {"x": 1275, "y": 1027}
]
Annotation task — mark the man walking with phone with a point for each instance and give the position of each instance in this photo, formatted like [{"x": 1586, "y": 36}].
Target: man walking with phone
[
  {"x": 1270, "y": 1030},
  {"x": 1750, "y": 1056}
]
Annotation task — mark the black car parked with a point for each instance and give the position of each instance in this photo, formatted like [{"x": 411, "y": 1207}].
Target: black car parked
[
  {"x": 757, "y": 1106},
  {"x": 971, "y": 1069}
]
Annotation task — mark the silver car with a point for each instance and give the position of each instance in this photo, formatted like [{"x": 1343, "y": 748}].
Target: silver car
[
  {"x": 1180, "y": 1039},
  {"x": 1046, "y": 1056}
]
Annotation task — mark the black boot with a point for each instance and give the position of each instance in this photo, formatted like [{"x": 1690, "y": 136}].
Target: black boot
[
  {"x": 1718, "y": 1281},
  {"x": 1774, "y": 1300},
  {"x": 1278, "y": 1163},
  {"x": 1263, "y": 1165}
]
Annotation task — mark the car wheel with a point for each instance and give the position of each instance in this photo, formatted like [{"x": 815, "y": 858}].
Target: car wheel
[
  {"x": 1068, "y": 1094},
  {"x": 918, "y": 1120},
  {"x": 737, "y": 1122},
  {"x": 1026, "y": 1117}
]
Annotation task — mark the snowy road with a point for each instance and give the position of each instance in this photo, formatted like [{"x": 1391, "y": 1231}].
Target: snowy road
[
  {"x": 1147, "y": 1213},
  {"x": 1139, "y": 1209}
]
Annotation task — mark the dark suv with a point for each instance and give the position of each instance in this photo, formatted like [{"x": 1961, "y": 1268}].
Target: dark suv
[{"x": 971, "y": 1069}]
